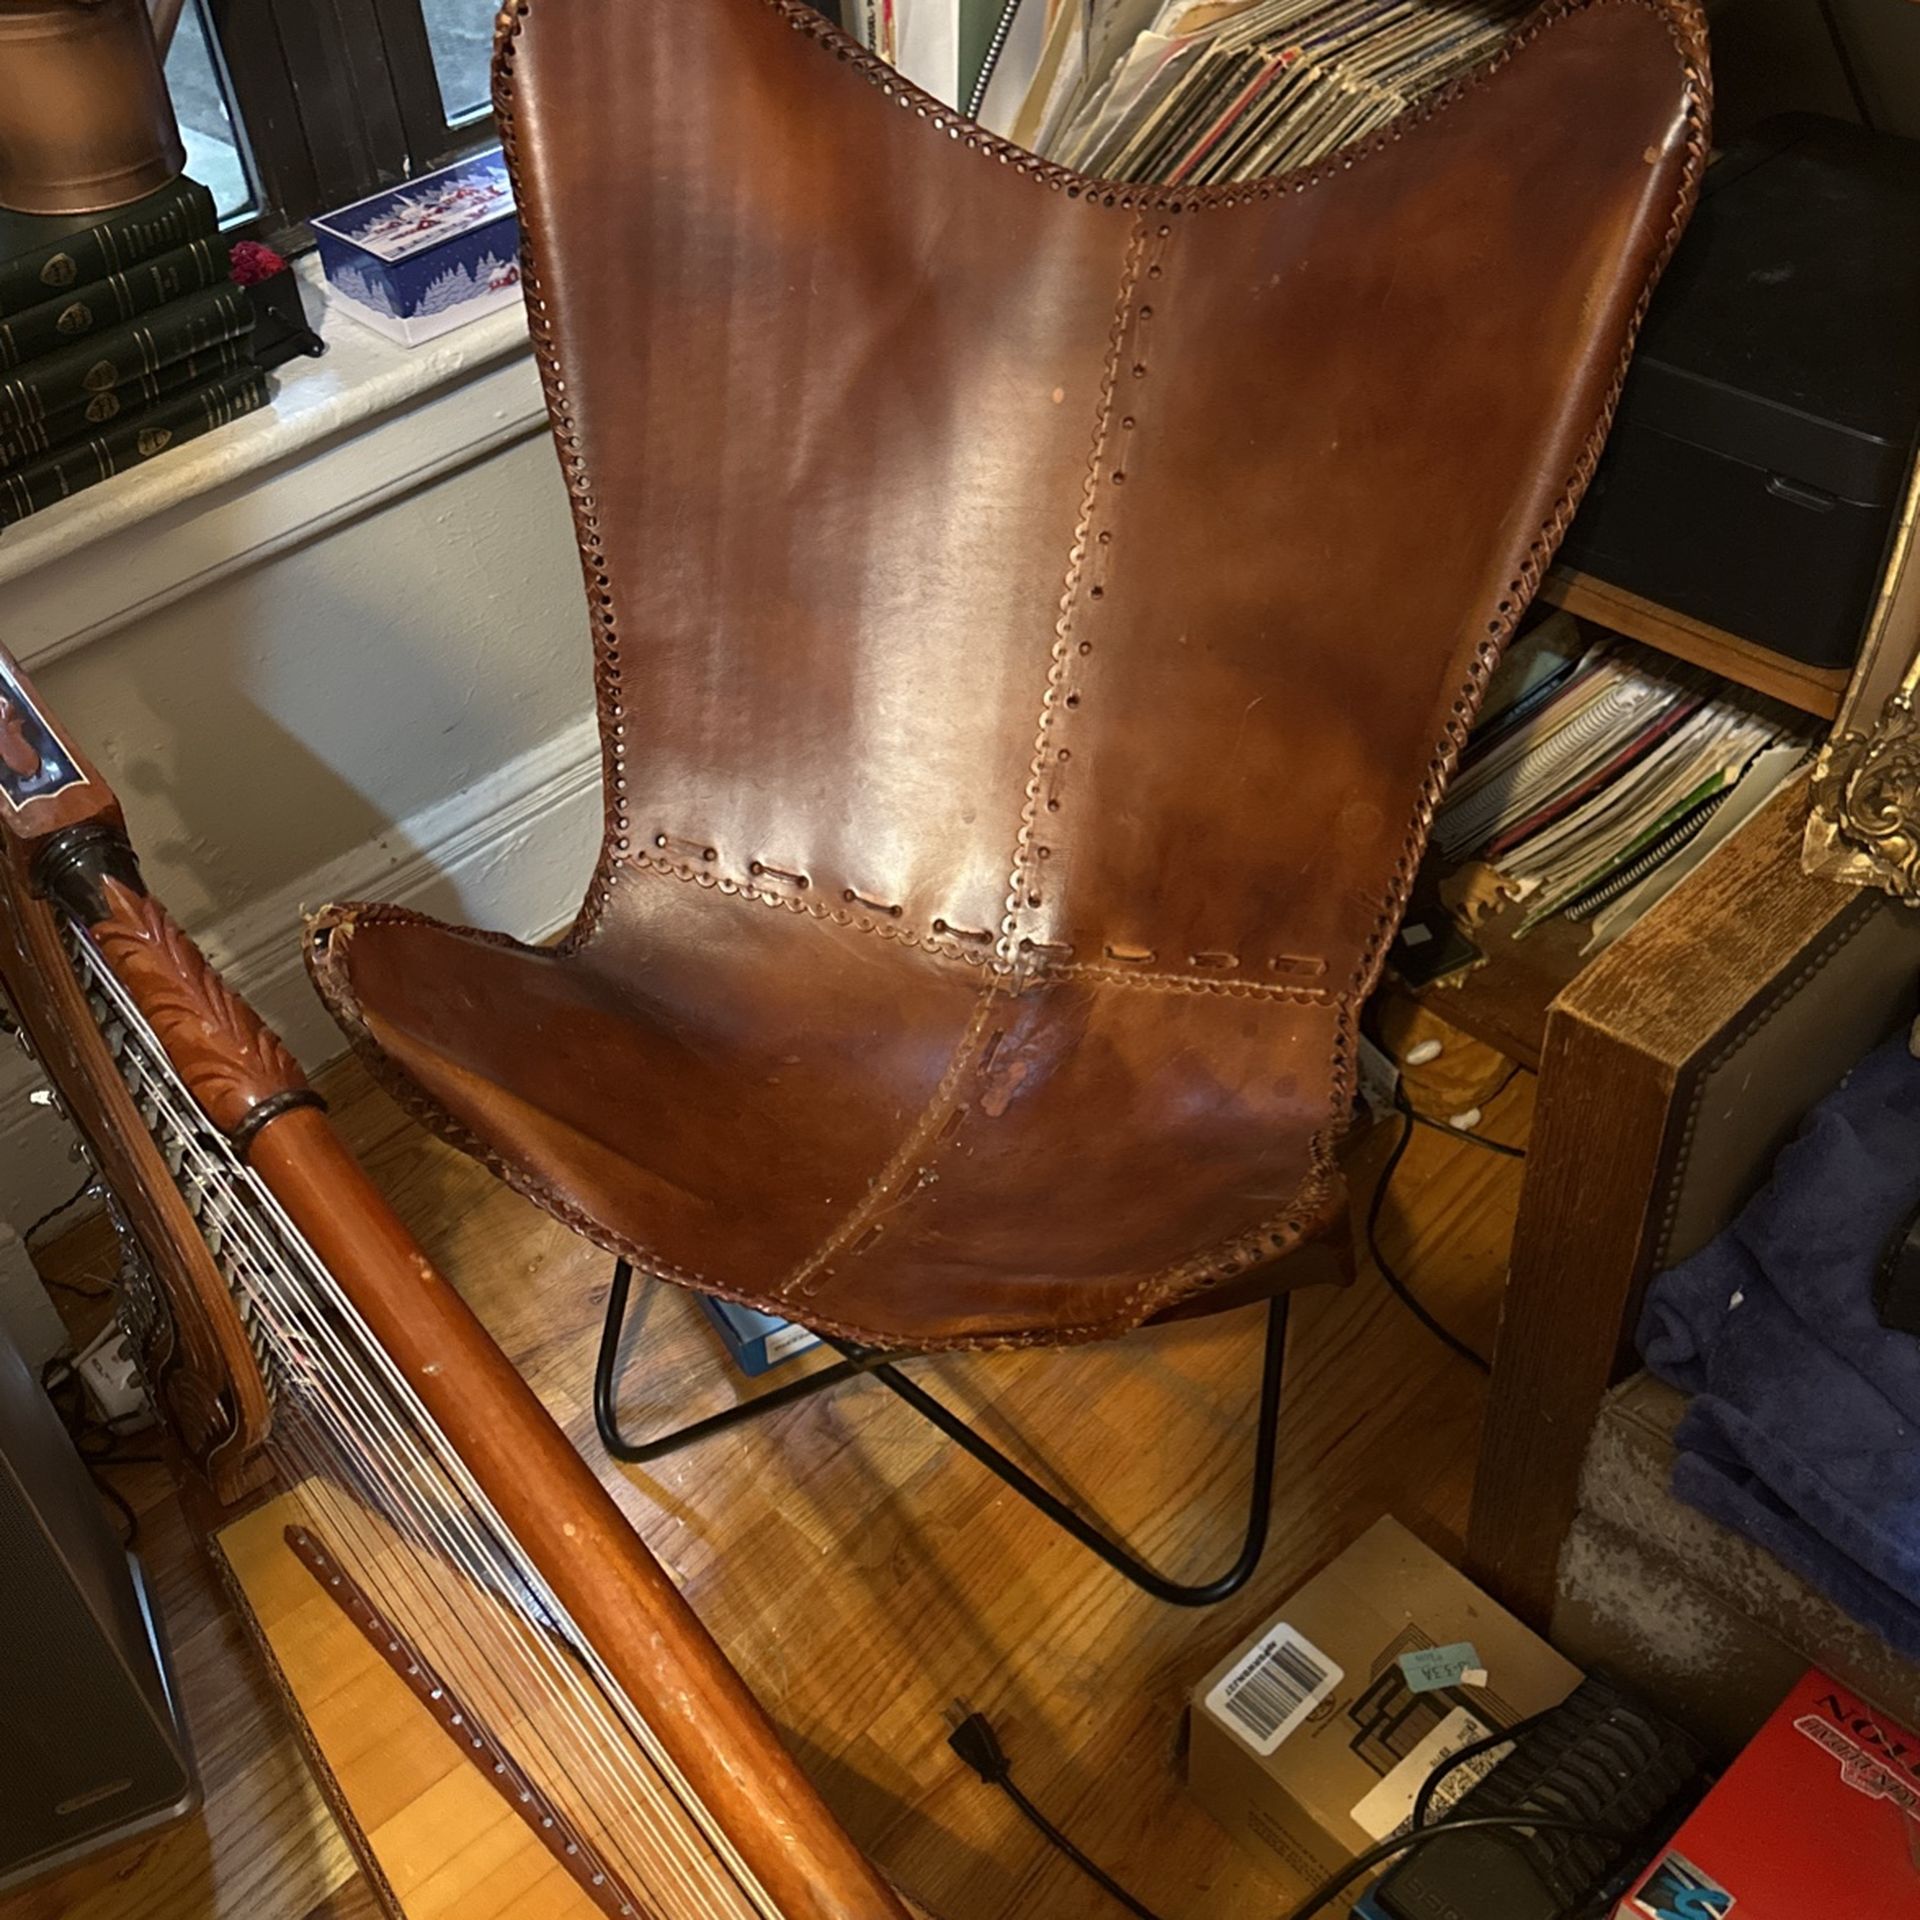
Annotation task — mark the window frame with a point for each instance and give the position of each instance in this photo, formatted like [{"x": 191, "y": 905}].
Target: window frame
[
  {"x": 335, "y": 99},
  {"x": 433, "y": 136}
]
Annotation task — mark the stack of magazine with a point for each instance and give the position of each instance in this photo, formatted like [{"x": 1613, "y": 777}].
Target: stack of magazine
[
  {"x": 1600, "y": 774},
  {"x": 120, "y": 335},
  {"x": 1190, "y": 92}
]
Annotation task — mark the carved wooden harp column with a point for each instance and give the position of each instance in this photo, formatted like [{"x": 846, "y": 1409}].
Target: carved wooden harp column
[{"x": 85, "y": 951}]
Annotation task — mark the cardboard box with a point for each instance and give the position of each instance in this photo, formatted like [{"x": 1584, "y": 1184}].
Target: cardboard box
[
  {"x": 1310, "y": 1741},
  {"x": 1820, "y": 1815}
]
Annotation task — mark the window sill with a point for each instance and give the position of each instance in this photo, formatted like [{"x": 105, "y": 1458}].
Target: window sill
[{"x": 366, "y": 422}]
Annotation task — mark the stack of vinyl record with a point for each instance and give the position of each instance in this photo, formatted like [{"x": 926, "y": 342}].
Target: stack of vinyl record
[
  {"x": 1190, "y": 92},
  {"x": 120, "y": 337}
]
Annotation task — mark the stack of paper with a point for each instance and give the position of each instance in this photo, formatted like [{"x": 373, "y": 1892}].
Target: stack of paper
[
  {"x": 1185, "y": 91},
  {"x": 1596, "y": 768}
]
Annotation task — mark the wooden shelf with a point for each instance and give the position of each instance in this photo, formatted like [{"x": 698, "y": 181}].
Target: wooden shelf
[
  {"x": 1814, "y": 690},
  {"x": 1504, "y": 1001}
]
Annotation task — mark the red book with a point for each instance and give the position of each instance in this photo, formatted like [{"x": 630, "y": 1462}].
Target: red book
[{"x": 1818, "y": 1819}]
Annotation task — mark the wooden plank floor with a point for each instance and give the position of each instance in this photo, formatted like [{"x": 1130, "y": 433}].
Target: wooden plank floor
[{"x": 863, "y": 1574}]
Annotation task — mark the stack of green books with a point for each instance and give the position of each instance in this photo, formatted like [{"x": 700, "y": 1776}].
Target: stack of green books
[{"x": 121, "y": 334}]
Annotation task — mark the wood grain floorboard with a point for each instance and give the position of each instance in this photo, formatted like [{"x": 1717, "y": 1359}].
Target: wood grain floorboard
[{"x": 863, "y": 1574}]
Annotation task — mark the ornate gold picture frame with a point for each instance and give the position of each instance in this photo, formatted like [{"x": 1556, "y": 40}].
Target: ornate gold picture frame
[{"x": 1865, "y": 824}]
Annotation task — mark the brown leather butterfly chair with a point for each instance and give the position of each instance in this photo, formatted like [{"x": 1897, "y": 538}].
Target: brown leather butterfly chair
[{"x": 1035, "y": 620}]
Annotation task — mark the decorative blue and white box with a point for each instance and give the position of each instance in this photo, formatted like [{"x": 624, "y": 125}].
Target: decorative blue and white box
[
  {"x": 418, "y": 260},
  {"x": 755, "y": 1342}
]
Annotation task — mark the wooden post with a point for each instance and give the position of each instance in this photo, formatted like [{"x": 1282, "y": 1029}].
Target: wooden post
[{"x": 1630, "y": 1165}]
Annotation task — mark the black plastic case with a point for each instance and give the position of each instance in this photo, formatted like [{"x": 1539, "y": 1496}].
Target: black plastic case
[{"x": 1764, "y": 436}]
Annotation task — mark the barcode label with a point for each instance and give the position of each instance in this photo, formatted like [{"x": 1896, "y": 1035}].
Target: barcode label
[{"x": 1264, "y": 1696}]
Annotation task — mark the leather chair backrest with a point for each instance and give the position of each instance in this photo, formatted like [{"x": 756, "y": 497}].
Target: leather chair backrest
[{"x": 1063, "y": 573}]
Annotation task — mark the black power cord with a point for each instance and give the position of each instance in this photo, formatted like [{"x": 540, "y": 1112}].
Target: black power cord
[
  {"x": 1395, "y": 1285},
  {"x": 1430, "y": 1786},
  {"x": 1460, "y": 1133},
  {"x": 1447, "y": 1127},
  {"x": 99, "y": 1443},
  {"x": 1411, "y": 1117},
  {"x": 974, "y": 1740},
  {"x": 53, "y": 1213}
]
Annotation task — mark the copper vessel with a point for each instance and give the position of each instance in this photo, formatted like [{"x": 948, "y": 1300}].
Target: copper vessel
[{"x": 85, "y": 120}]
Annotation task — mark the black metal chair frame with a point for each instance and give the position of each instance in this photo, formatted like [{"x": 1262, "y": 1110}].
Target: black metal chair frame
[{"x": 873, "y": 1363}]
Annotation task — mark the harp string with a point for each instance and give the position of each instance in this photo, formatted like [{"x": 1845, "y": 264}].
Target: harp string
[
  {"x": 307, "y": 1347},
  {"x": 646, "y": 1868},
  {"x": 406, "y": 1590},
  {"x": 297, "y": 1317},
  {"x": 344, "y": 1436},
  {"x": 363, "y": 1414}
]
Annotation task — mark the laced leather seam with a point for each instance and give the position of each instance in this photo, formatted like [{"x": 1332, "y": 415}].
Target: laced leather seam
[{"x": 1683, "y": 23}]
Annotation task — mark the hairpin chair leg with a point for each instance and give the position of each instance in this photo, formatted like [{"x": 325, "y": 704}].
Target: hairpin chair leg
[
  {"x": 1205, "y": 1593},
  {"x": 606, "y": 1412},
  {"x": 856, "y": 1361}
]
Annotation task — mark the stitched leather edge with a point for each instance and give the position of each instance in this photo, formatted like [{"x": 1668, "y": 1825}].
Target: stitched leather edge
[
  {"x": 1207, "y": 983},
  {"x": 330, "y": 932},
  {"x": 811, "y": 909},
  {"x": 1069, "y": 602},
  {"x": 1160, "y": 980},
  {"x": 1684, "y": 20},
  {"x": 329, "y": 937},
  {"x": 917, "y": 1148},
  {"x": 910, "y": 1164},
  {"x": 1685, "y": 28}
]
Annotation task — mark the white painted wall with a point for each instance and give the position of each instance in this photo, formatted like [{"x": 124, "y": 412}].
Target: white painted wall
[
  {"x": 379, "y": 687},
  {"x": 310, "y": 707}
]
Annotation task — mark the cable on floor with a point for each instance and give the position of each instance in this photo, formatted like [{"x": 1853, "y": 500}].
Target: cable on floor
[
  {"x": 1402, "y": 1843},
  {"x": 974, "y": 1740},
  {"x": 99, "y": 1443},
  {"x": 1447, "y": 1127},
  {"x": 1395, "y": 1285},
  {"x": 52, "y": 1214},
  {"x": 1466, "y": 1135}
]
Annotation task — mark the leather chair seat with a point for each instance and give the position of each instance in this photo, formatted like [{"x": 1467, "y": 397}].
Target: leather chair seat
[{"x": 878, "y": 1141}]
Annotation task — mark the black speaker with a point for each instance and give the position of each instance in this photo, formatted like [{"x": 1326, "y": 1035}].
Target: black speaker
[{"x": 92, "y": 1746}]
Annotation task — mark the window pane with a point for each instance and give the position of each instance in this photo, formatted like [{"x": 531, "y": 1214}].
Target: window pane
[
  {"x": 216, "y": 154},
  {"x": 461, "y": 33}
]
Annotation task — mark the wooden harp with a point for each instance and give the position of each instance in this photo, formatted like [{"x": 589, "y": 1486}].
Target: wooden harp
[{"x": 289, "y": 1326}]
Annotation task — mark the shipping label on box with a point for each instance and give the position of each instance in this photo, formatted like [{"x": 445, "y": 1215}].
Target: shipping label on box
[{"x": 1312, "y": 1739}]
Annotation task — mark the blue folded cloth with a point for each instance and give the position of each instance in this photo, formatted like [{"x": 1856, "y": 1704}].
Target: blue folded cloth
[{"x": 1804, "y": 1429}]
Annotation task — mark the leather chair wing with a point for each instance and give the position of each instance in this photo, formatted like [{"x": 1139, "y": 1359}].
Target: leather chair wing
[{"x": 1035, "y": 619}]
